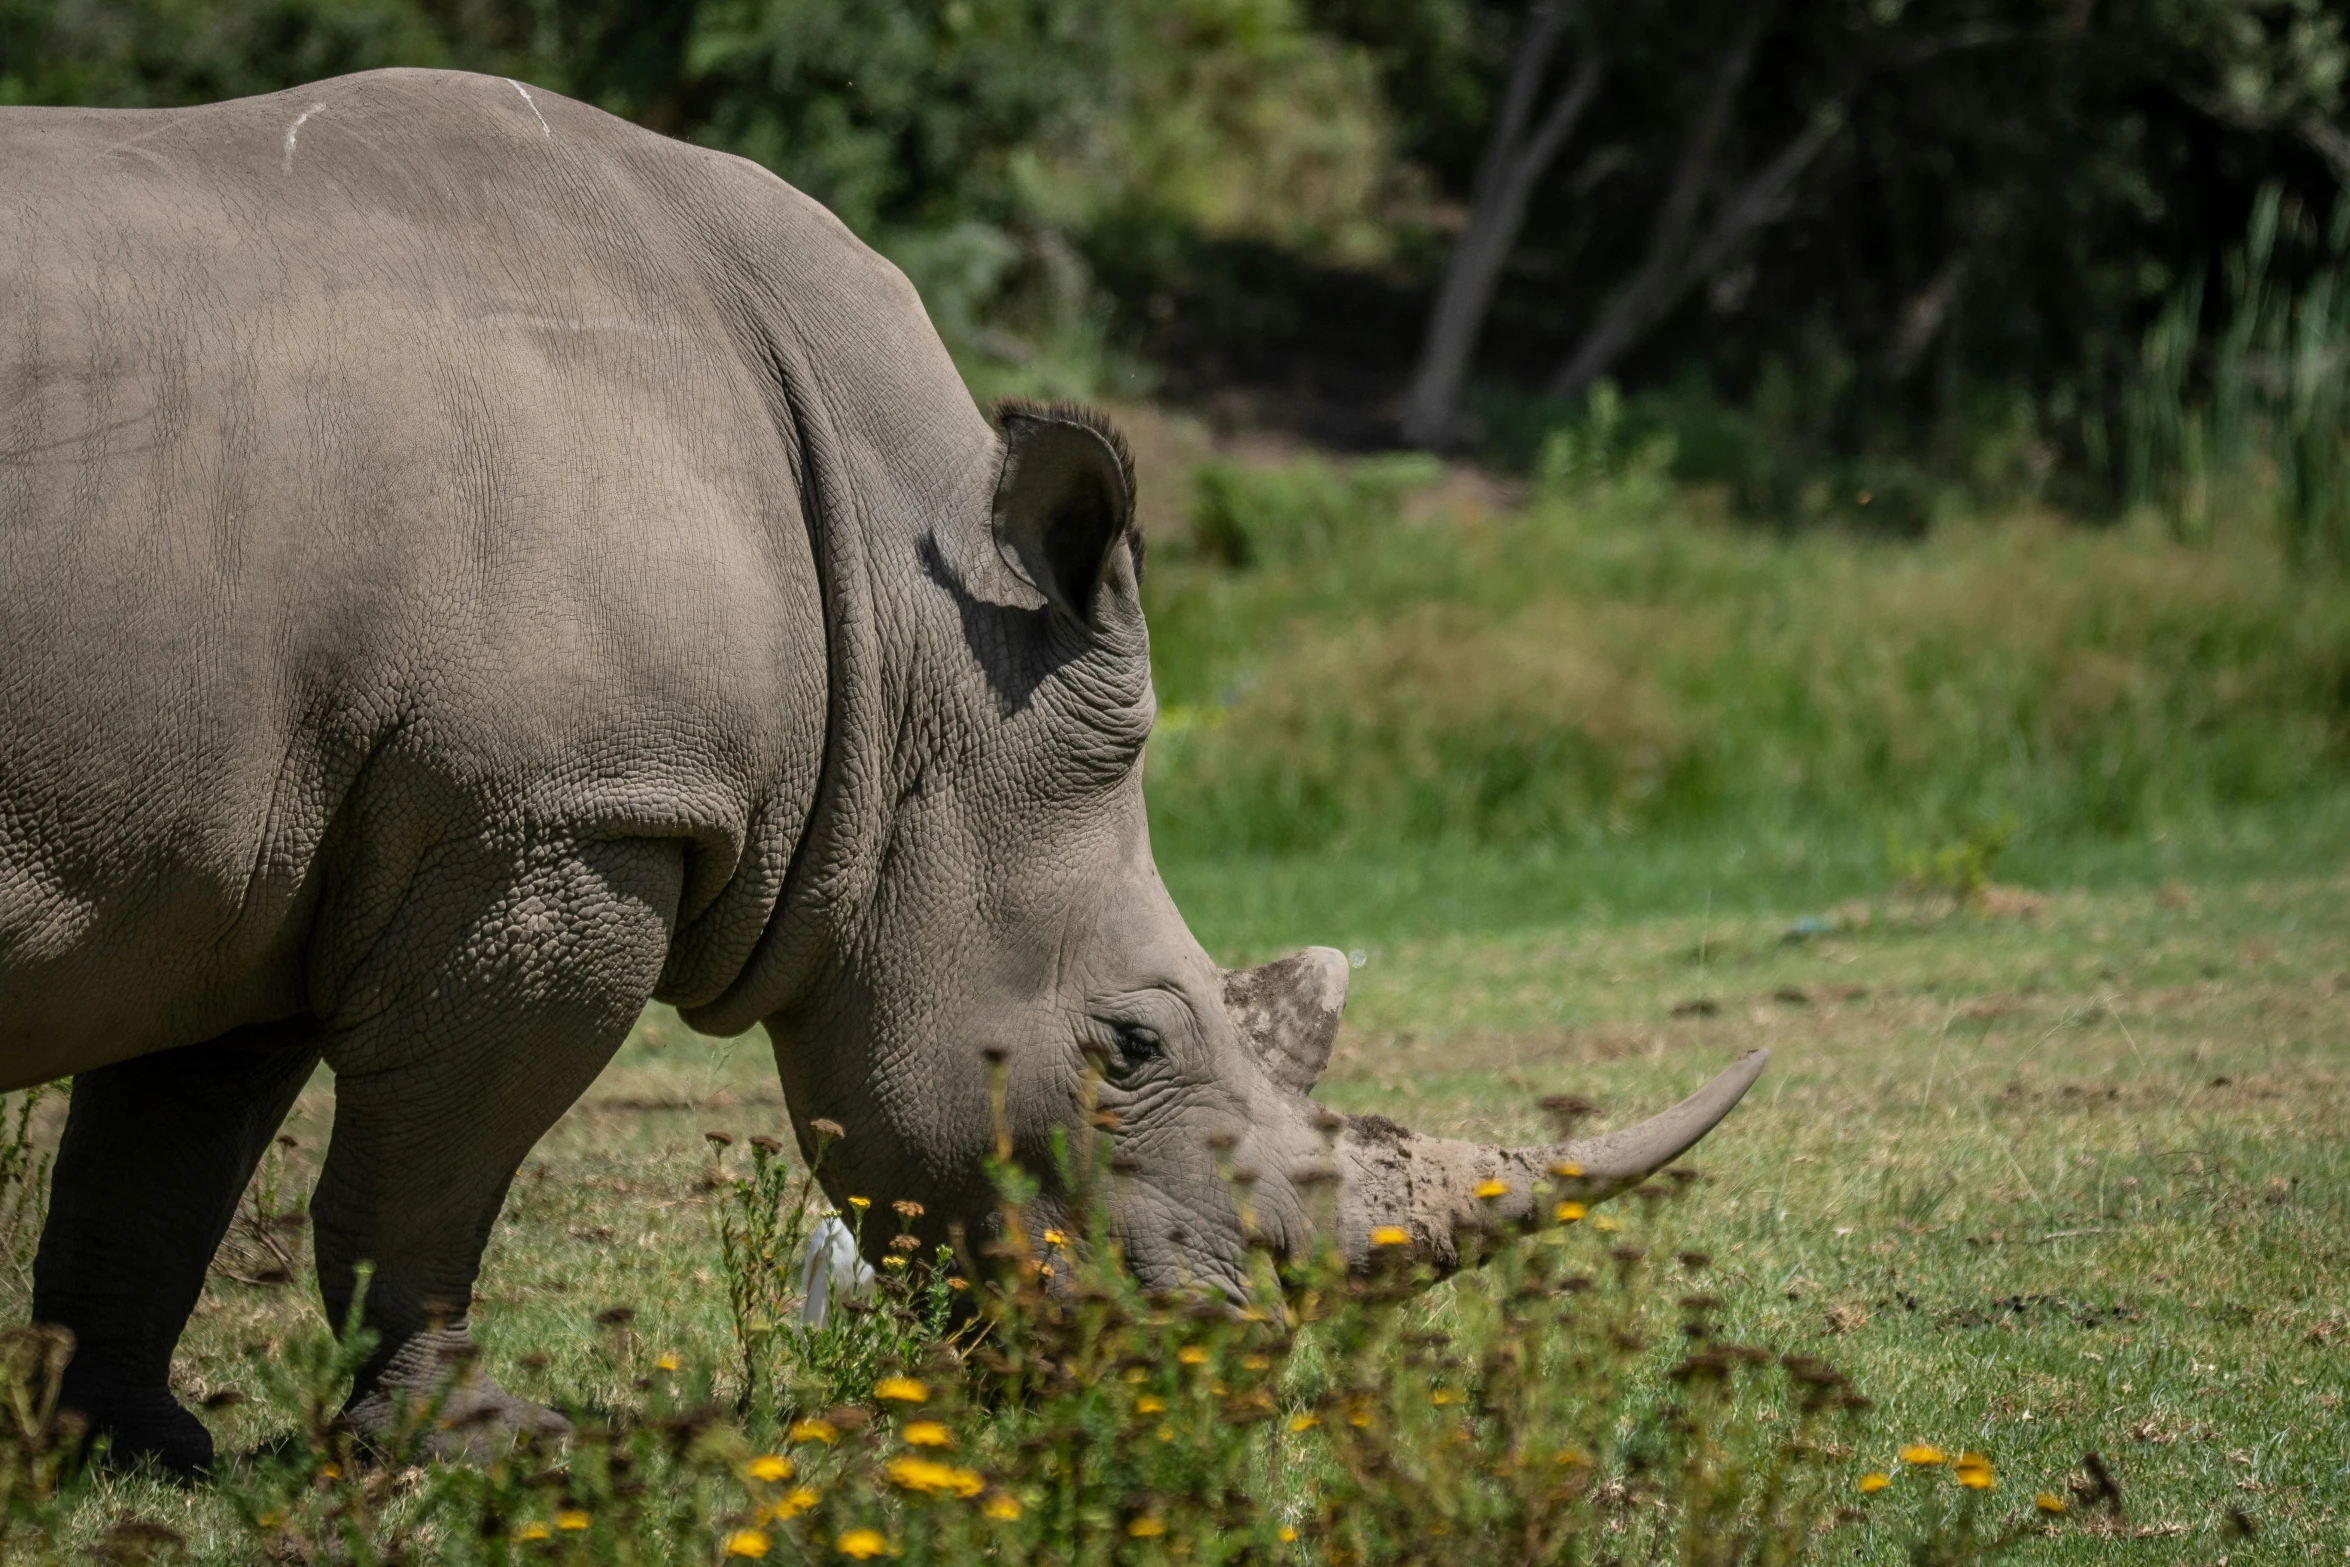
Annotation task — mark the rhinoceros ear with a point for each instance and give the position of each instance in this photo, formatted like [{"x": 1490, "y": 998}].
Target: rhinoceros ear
[
  {"x": 1064, "y": 502},
  {"x": 1288, "y": 1012}
]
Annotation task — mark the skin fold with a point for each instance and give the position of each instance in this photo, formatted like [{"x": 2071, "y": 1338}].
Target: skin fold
[{"x": 469, "y": 567}]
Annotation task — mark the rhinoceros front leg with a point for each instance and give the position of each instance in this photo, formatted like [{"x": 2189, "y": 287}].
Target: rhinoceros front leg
[
  {"x": 482, "y": 1013},
  {"x": 157, "y": 1150}
]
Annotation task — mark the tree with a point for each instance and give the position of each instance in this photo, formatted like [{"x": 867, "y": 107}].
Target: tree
[
  {"x": 1520, "y": 153},
  {"x": 2008, "y": 185},
  {"x": 1705, "y": 214}
]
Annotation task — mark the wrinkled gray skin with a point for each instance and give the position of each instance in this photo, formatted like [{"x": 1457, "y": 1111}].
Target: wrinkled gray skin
[{"x": 467, "y": 567}]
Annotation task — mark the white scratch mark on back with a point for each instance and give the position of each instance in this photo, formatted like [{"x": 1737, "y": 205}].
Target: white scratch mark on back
[
  {"x": 295, "y": 130},
  {"x": 545, "y": 129}
]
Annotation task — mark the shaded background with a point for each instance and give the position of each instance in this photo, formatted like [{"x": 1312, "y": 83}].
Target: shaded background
[
  {"x": 1912, "y": 422},
  {"x": 1929, "y": 233}
]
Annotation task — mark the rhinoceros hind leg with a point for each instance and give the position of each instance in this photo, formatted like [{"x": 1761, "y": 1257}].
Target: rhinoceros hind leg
[
  {"x": 488, "y": 1012},
  {"x": 156, "y": 1153}
]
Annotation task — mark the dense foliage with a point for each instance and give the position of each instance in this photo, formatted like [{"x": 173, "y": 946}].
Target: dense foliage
[{"x": 1931, "y": 233}]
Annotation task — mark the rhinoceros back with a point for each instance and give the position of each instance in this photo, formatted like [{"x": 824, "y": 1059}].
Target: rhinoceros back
[{"x": 385, "y": 462}]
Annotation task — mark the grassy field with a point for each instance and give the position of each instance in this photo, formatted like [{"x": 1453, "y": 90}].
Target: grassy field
[
  {"x": 1394, "y": 662},
  {"x": 1600, "y": 792},
  {"x": 2069, "y": 1170}
]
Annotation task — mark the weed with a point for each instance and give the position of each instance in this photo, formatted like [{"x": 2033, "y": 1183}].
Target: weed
[
  {"x": 1959, "y": 870},
  {"x": 762, "y": 1228},
  {"x": 2248, "y": 420},
  {"x": 36, "y": 1443},
  {"x": 24, "y": 1185},
  {"x": 790, "y": 1366}
]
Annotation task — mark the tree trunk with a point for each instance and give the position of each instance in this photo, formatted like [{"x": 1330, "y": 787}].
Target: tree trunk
[
  {"x": 1662, "y": 279},
  {"x": 1922, "y": 320},
  {"x": 1514, "y": 161},
  {"x": 1669, "y": 274}
]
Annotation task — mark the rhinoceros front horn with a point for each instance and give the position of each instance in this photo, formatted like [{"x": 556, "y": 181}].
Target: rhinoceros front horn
[{"x": 1394, "y": 1179}]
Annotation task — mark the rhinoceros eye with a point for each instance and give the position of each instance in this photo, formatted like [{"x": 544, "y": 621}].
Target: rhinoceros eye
[{"x": 1137, "y": 1045}]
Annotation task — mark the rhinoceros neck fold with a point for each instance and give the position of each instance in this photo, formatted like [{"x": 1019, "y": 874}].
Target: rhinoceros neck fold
[{"x": 864, "y": 522}]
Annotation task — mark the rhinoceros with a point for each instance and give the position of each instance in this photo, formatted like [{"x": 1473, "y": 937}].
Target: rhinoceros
[{"x": 469, "y": 567}]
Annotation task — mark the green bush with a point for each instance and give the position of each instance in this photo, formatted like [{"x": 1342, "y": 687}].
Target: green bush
[
  {"x": 1608, "y": 661},
  {"x": 1300, "y": 513},
  {"x": 2247, "y": 421}
]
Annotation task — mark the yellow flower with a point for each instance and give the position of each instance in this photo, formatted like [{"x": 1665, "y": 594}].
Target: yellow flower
[
  {"x": 1973, "y": 1470},
  {"x": 665, "y": 1363},
  {"x": 1146, "y": 1527},
  {"x": 1874, "y": 1481},
  {"x": 1256, "y": 1362},
  {"x": 1287, "y": 1534},
  {"x": 1192, "y": 1355},
  {"x": 894, "y": 1260},
  {"x": 1304, "y": 1422},
  {"x": 747, "y": 1542},
  {"x": 794, "y": 1503},
  {"x": 1923, "y": 1453},
  {"x": 1444, "y": 1395},
  {"x": 1149, "y": 1404},
  {"x": 862, "y": 1543},
  {"x": 572, "y": 1520},
  {"x": 860, "y": 1203},
  {"x": 1165, "y": 1433},
  {"x": 1570, "y": 1456},
  {"x": 904, "y": 1390},
  {"x": 929, "y": 1433},
  {"x": 2048, "y": 1503},
  {"x": 933, "y": 1478},
  {"x": 1002, "y": 1506},
  {"x": 1055, "y": 1238},
  {"x": 533, "y": 1530},
  {"x": 1606, "y": 1226},
  {"x": 813, "y": 1431},
  {"x": 1135, "y": 1374},
  {"x": 1568, "y": 1212},
  {"x": 771, "y": 1467},
  {"x": 1391, "y": 1235},
  {"x": 1493, "y": 1188},
  {"x": 330, "y": 1471},
  {"x": 1568, "y": 1171}
]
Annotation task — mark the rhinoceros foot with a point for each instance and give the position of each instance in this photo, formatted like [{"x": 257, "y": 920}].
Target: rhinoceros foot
[
  {"x": 137, "y": 1423},
  {"x": 432, "y": 1399}
]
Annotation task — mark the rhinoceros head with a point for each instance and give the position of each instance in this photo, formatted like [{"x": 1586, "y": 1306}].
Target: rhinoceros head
[{"x": 1019, "y": 933}]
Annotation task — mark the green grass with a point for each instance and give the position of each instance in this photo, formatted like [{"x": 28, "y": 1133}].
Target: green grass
[
  {"x": 1611, "y": 661},
  {"x": 2074, "y": 1176},
  {"x": 2069, "y": 1175},
  {"x": 1601, "y": 793}
]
